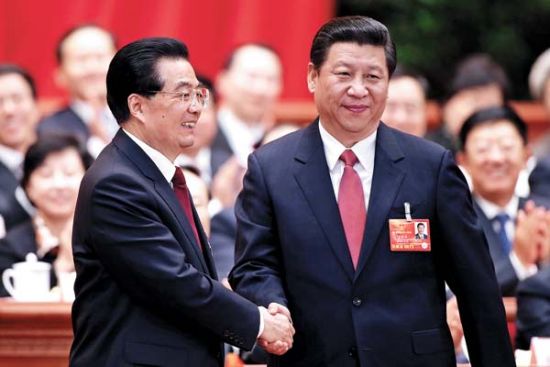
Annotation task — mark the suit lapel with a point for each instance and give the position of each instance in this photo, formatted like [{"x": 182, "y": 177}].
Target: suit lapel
[
  {"x": 386, "y": 181},
  {"x": 313, "y": 177},
  {"x": 135, "y": 154}
]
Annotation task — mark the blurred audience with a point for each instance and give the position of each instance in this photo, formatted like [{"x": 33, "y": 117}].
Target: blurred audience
[
  {"x": 199, "y": 194},
  {"x": 199, "y": 155},
  {"x": 52, "y": 171},
  {"x": 493, "y": 151},
  {"x": 83, "y": 56},
  {"x": 539, "y": 84},
  {"x": 249, "y": 86},
  {"x": 406, "y": 104},
  {"x": 18, "y": 118},
  {"x": 224, "y": 223},
  {"x": 478, "y": 82},
  {"x": 533, "y": 312}
]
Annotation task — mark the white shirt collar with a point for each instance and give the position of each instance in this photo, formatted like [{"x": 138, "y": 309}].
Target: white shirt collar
[
  {"x": 491, "y": 209},
  {"x": 241, "y": 136},
  {"x": 166, "y": 167},
  {"x": 86, "y": 114},
  {"x": 13, "y": 159},
  {"x": 334, "y": 149}
]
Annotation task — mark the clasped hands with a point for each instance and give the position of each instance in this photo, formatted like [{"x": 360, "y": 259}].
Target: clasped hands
[{"x": 277, "y": 336}]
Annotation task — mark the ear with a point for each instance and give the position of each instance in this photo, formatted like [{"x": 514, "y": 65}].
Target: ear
[
  {"x": 528, "y": 153},
  {"x": 312, "y": 74},
  {"x": 222, "y": 83},
  {"x": 137, "y": 106}
]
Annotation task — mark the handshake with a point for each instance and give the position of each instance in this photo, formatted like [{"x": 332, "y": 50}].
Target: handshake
[{"x": 277, "y": 336}]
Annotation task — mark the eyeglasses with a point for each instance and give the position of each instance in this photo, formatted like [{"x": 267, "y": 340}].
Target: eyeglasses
[{"x": 190, "y": 95}]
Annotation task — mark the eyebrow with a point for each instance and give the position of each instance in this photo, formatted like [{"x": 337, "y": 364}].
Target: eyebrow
[{"x": 183, "y": 84}]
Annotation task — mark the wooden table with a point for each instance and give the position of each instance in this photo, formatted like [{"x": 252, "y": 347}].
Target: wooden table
[{"x": 35, "y": 334}]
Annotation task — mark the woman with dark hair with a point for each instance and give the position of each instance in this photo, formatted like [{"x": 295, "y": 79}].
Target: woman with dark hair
[{"x": 52, "y": 171}]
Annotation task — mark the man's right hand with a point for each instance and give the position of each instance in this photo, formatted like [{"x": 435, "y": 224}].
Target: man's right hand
[{"x": 277, "y": 336}]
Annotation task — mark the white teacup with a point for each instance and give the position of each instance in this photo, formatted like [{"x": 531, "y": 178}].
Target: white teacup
[{"x": 31, "y": 280}]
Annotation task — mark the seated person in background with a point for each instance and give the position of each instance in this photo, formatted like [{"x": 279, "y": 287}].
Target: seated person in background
[
  {"x": 539, "y": 83},
  {"x": 494, "y": 151},
  {"x": 533, "y": 315},
  {"x": 199, "y": 155},
  {"x": 406, "y": 105},
  {"x": 52, "y": 171},
  {"x": 478, "y": 82},
  {"x": 83, "y": 55},
  {"x": 18, "y": 118},
  {"x": 199, "y": 194},
  {"x": 249, "y": 86}
]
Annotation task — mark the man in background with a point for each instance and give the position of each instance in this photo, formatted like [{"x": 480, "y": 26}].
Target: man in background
[
  {"x": 18, "y": 118},
  {"x": 83, "y": 55},
  {"x": 478, "y": 82},
  {"x": 406, "y": 108},
  {"x": 494, "y": 151}
]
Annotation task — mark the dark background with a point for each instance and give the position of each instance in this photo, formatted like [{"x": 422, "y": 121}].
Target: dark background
[{"x": 432, "y": 35}]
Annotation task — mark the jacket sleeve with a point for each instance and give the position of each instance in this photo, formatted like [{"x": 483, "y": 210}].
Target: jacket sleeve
[{"x": 129, "y": 235}]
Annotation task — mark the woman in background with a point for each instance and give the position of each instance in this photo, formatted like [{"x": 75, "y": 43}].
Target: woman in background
[{"x": 52, "y": 171}]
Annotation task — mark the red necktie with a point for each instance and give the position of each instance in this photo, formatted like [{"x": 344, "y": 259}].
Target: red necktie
[
  {"x": 182, "y": 193},
  {"x": 351, "y": 202}
]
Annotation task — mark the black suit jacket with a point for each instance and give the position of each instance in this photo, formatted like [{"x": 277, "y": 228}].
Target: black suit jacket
[
  {"x": 65, "y": 121},
  {"x": 391, "y": 310},
  {"x": 223, "y": 232},
  {"x": 220, "y": 151},
  {"x": 506, "y": 275},
  {"x": 10, "y": 209},
  {"x": 533, "y": 315},
  {"x": 145, "y": 292}
]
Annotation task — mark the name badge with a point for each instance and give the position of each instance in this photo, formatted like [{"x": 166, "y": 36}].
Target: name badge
[{"x": 410, "y": 235}]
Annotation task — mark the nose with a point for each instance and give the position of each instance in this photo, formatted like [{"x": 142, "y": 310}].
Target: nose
[
  {"x": 195, "y": 106},
  {"x": 357, "y": 88},
  {"x": 496, "y": 154}
]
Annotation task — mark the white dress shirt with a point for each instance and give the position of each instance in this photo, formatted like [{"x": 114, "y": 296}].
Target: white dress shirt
[
  {"x": 364, "y": 150},
  {"x": 511, "y": 209},
  {"x": 241, "y": 136}
]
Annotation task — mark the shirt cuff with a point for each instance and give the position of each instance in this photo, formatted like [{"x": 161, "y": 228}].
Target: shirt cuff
[
  {"x": 261, "y": 322},
  {"x": 521, "y": 270}
]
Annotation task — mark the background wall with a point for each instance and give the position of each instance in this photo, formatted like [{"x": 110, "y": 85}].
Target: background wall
[{"x": 29, "y": 30}]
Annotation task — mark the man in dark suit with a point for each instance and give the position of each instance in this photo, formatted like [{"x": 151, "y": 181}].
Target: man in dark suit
[
  {"x": 83, "y": 55},
  {"x": 356, "y": 299},
  {"x": 18, "y": 117},
  {"x": 533, "y": 317},
  {"x": 146, "y": 288},
  {"x": 493, "y": 150}
]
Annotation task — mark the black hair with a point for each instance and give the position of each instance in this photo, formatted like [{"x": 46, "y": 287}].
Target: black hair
[
  {"x": 490, "y": 115},
  {"x": 478, "y": 70},
  {"x": 73, "y": 30},
  {"x": 48, "y": 144},
  {"x": 402, "y": 71},
  {"x": 6, "y": 69},
  {"x": 357, "y": 29},
  {"x": 133, "y": 70},
  {"x": 206, "y": 82},
  {"x": 420, "y": 224}
]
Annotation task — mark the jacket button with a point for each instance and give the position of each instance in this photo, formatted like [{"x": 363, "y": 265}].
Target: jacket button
[
  {"x": 356, "y": 301},
  {"x": 352, "y": 352}
]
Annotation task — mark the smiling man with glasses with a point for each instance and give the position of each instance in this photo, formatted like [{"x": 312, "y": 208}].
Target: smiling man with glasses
[{"x": 146, "y": 287}]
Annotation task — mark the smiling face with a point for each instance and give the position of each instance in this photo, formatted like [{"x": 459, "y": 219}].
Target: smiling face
[
  {"x": 350, "y": 90},
  {"x": 494, "y": 154},
  {"x": 18, "y": 113},
  {"x": 166, "y": 122},
  {"x": 53, "y": 186}
]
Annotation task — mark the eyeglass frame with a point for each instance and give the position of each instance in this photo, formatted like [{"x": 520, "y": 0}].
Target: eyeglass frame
[{"x": 180, "y": 96}]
